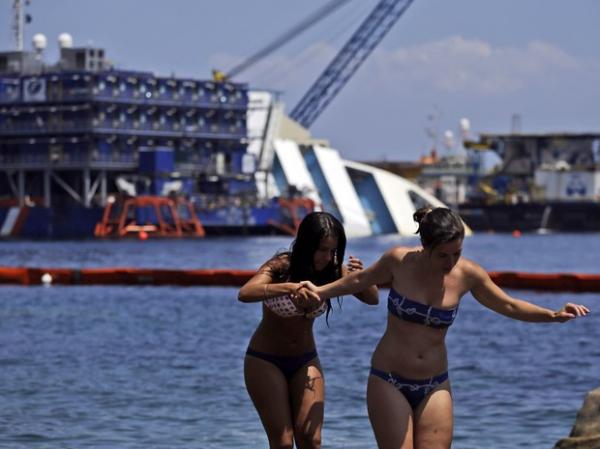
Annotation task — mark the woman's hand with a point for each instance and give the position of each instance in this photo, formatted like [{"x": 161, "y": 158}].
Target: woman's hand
[
  {"x": 306, "y": 299},
  {"x": 354, "y": 264},
  {"x": 308, "y": 285},
  {"x": 570, "y": 311}
]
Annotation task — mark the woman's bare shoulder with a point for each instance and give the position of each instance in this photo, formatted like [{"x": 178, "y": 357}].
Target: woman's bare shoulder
[
  {"x": 399, "y": 253},
  {"x": 281, "y": 258},
  {"x": 471, "y": 269},
  {"x": 277, "y": 264}
]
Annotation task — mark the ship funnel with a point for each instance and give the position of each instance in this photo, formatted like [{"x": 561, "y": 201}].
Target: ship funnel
[
  {"x": 65, "y": 40},
  {"x": 39, "y": 42}
]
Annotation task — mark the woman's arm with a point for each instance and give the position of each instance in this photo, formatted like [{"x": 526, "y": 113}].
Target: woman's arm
[
  {"x": 494, "y": 298},
  {"x": 370, "y": 295},
  {"x": 378, "y": 273},
  {"x": 260, "y": 286}
]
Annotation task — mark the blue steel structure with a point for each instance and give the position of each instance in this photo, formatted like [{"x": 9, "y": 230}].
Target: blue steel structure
[
  {"x": 81, "y": 119},
  {"x": 348, "y": 60},
  {"x": 71, "y": 136}
]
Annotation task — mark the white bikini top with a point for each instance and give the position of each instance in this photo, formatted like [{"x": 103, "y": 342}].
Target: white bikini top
[{"x": 285, "y": 307}]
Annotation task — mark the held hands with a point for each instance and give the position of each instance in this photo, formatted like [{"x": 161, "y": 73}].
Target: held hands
[
  {"x": 307, "y": 286},
  {"x": 570, "y": 311},
  {"x": 305, "y": 298},
  {"x": 312, "y": 291}
]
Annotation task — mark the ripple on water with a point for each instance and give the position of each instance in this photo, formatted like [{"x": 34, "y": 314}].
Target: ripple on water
[{"x": 144, "y": 367}]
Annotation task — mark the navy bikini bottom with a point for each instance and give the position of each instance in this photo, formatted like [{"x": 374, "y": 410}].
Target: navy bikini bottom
[
  {"x": 288, "y": 365},
  {"x": 413, "y": 390}
]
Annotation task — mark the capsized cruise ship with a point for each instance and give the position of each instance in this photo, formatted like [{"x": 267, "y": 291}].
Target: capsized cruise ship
[{"x": 368, "y": 200}]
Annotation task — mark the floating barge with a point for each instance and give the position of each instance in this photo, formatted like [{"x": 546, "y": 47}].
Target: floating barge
[
  {"x": 79, "y": 135},
  {"x": 544, "y": 182}
]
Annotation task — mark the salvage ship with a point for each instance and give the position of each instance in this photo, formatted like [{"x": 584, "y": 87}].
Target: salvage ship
[
  {"x": 546, "y": 182},
  {"x": 86, "y": 148},
  {"x": 542, "y": 182}
]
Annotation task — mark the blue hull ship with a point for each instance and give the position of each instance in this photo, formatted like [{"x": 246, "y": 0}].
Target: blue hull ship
[{"x": 80, "y": 135}]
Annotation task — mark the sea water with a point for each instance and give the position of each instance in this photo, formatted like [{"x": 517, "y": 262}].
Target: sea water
[{"x": 161, "y": 367}]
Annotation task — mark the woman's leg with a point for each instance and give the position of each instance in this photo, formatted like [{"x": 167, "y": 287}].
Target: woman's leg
[
  {"x": 433, "y": 419},
  {"x": 268, "y": 389},
  {"x": 390, "y": 414},
  {"x": 307, "y": 388}
]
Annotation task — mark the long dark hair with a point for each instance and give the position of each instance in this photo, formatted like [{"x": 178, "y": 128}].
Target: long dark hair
[
  {"x": 300, "y": 267},
  {"x": 438, "y": 225},
  {"x": 312, "y": 230}
]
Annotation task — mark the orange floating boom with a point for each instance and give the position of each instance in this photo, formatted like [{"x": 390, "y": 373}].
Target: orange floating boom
[
  {"x": 123, "y": 276},
  {"x": 558, "y": 282}
]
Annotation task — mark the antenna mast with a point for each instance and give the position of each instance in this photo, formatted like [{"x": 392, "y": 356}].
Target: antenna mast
[{"x": 18, "y": 23}]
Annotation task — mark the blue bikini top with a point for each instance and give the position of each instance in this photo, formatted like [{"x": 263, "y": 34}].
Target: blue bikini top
[{"x": 416, "y": 312}]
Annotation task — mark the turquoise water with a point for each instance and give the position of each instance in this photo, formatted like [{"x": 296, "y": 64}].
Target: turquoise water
[{"x": 161, "y": 367}]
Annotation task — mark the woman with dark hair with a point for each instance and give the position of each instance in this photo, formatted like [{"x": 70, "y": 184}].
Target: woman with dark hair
[
  {"x": 408, "y": 393},
  {"x": 282, "y": 371}
]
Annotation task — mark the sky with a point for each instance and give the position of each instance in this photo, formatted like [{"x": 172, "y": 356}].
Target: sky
[{"x": 484, "y": 60}]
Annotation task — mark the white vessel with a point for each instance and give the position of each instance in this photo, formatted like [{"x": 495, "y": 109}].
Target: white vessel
[{"x": 368, "y": 200}]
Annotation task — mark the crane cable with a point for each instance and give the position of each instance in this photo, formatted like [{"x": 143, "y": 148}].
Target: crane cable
[
  {"x": 287, "y": 36},
  {"x": 335, "y": 35}
]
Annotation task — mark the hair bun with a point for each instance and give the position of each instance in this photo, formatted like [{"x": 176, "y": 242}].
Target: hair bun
[{"x": 420, "y": 213}]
